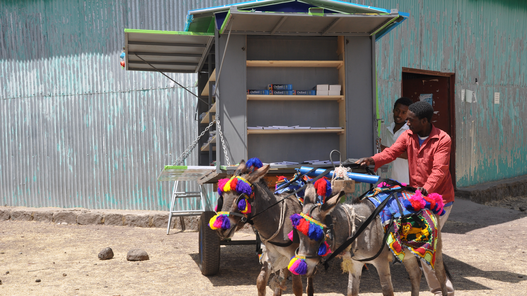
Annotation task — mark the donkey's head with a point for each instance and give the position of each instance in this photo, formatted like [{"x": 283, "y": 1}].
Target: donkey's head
[
  {"x": 312, "y": 232},
  {"x": 236, "y": 196}
]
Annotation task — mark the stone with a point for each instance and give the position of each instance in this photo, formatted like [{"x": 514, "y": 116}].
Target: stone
[
  {"x": 137, "y": 220},
  {"x": 137, "y": 255},
  {"x": 113, "y": 219},
  {"x": 62, "y": 217},
  {"x": 21, "y": 215},
  {"x": 89, "y": 218},
  {"x": 43, "y": 216},
  {"x": 5, "y": 214},
  {"x": 106, "y": 254},
  {"x": 161, "y": 221},
  {"x": 37, "y": 280}
]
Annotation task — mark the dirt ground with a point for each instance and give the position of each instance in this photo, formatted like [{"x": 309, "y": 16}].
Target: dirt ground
[{"x": 485, "y": 251}]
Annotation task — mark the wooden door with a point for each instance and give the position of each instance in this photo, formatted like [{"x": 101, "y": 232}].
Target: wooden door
[{"x": 438, "y": 89}]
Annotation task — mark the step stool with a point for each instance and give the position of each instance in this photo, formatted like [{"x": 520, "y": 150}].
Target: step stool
[{"x": 182, "y": 194}]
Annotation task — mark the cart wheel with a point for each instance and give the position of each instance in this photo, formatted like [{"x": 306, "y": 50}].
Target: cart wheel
[{"x": 209, "y": 246}]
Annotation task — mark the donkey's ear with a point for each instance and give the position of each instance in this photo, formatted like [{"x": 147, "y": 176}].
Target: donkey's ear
[
  {"x": 241, "y": 168},
  {"x": 310, "y": 194},
  {"x": 258, "y": 174},
  {"x": 330, "y": 203}
]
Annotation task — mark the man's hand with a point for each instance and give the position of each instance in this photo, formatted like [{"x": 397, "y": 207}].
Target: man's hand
[
  {"x": 423, "y": 191},
  {"x": 365, "y": 161}
]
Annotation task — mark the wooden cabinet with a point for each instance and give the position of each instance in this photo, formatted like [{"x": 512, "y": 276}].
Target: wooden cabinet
[{"x": 321, "y": 119}]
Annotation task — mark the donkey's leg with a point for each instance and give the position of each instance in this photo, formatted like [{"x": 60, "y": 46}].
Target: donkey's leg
[
  {"x": 297, "y": 285},
  {"x": 382, "y": 264},
  {"x": 440, "y": 267},
  {"x": 263, "y": 278},
  {"x": 309, "y": 290},
  {"x": 284, "y": 273},
  {"x": 355, "y": 271},
  {"x": 412, "y": 267}
]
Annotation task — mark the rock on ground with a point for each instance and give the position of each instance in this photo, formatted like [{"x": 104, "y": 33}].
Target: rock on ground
[{"x": 137, "y": 255}]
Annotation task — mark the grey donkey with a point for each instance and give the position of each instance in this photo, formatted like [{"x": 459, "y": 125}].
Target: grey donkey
[
  {"x": 346, "y": 219},
  {"x": 271, "y": 219}
]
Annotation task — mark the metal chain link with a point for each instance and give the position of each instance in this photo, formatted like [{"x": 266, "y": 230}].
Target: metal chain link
[
  {"x": 186, "y": 153},
  {"x": 227, "y": 159}
]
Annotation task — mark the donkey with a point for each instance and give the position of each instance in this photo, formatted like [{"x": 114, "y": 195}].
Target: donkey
[
  {"x": 269, "y": 215},
  {"x": 345, "y": 218}
]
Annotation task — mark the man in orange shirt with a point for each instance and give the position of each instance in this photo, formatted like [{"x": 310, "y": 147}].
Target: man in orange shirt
[{"x": 428, "y": 150}]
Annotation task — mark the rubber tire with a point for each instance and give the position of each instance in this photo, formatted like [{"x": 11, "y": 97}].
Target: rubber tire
[{"x": 209, "y": 246}]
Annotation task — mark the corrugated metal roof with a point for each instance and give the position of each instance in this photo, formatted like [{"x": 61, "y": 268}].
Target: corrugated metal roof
[
  {"x": 167, "y": 51},
  {"x": 296, "y": 17}
]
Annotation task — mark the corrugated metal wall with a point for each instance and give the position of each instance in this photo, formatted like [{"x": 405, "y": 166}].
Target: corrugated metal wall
[
  {"x": 483, "y": 40},
  {"x": 78, "y": 131}
]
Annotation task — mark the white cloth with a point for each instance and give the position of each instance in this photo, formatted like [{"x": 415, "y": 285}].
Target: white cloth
[{"x": 399, "y": 165}]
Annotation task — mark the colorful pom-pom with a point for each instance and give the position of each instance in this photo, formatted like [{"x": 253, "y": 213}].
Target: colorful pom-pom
[
  {"x": 220, "y": 220},
  {"x": 417, "y": 203},
  {"x": 383, "y": 184},
  {"x": 221, "y": 184},
  {"x": 253, "y": 164},
  {"x": 295, "y": 219},
  {"x": 303, "y": 227},
  {"x": 243, "y": 187},
  {"x": 290, "y": 235},
  {"x": 235, "y": 183},
  {"x": 244, "y": 206},
  {"x": 315, "y": 232},
  {"x": 226, "y": 223},
  {"x": 321, "y": 186},
  {"x": 297, "y": 266},
  {"x": 324, "y": 249}
]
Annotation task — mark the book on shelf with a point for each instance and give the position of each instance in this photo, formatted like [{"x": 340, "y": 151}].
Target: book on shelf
[
  {"x": 273, "y": 87},
  {"x": 258, "y": 92},
  {"x": 282, "y": 92},
  {"x": 308, "y": 92},
  {"x": 284, "y": 163}
]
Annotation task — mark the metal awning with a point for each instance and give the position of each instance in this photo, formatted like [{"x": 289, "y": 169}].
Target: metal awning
[
  {"x": 255, "y": 23},
  {"x": 296, "y": 17},
  {"x": 167, "y": 51}
]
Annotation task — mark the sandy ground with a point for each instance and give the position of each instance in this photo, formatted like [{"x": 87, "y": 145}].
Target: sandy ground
[{"x": 485, "y": 250}]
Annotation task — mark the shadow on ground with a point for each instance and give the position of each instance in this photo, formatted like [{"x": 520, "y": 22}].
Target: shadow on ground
[
  {"x": 239, "y": 266},
  {"x": 467, "y": 216}
]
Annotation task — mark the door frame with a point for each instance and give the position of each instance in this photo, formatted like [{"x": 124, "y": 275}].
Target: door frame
[{"x": 452, "y": 112}]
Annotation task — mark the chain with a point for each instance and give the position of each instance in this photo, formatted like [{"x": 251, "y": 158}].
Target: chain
[
  {"x": 227, "y": 159},
  {"x": 185, "y": 153}
]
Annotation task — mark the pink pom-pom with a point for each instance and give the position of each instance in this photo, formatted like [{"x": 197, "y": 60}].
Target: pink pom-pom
[
  {"x": 290, "y": 235},
  {"x": 383, "y": 184},
  {"x": 218, "y": 222}
]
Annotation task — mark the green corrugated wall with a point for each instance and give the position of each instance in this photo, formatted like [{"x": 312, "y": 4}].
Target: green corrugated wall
[{"x": 475, "y": 39}]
